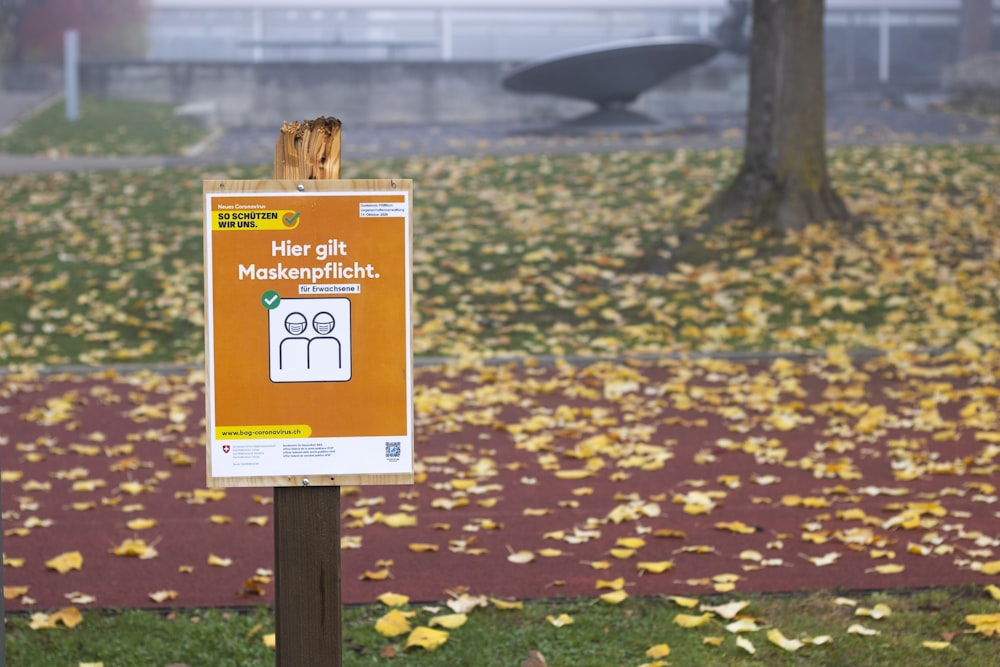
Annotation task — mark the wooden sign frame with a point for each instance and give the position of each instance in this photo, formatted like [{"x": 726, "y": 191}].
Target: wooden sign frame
[{"x": 308, "y": 291}]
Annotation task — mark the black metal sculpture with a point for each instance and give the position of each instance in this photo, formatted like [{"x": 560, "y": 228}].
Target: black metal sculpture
[{"x": 614, "y": 74}]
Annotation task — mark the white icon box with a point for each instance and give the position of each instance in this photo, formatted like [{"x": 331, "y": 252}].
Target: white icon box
[{"x": 309, "y": 340}]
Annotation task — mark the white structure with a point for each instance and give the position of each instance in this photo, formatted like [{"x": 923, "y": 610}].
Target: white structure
[{"x": 869, "y": 42}]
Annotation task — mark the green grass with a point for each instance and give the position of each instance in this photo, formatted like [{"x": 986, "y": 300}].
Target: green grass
[
  {"x": 601, "y": 635},
  {"x": 105, "y": 127}
]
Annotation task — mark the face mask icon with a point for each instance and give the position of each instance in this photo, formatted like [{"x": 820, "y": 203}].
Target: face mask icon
[
  {"x": 309, "y": 340},
  {"x": 323, "y": 323},
  {"x": 295, "y": 323}
]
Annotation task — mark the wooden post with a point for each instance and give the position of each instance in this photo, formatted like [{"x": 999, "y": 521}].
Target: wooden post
[{"x": 307, "y": 591}]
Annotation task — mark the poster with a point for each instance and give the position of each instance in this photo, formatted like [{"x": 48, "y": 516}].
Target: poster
[{"x": 308, "y": 337}]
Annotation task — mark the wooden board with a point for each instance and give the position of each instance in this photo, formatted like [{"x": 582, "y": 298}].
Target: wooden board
[{"x": 308, "y": 335}]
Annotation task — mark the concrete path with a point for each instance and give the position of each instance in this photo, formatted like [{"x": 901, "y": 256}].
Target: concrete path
[
  {"x": 851, "y": 122},
  {"x": 15, "y": 106},
  {"x": 712, "y": 479}
]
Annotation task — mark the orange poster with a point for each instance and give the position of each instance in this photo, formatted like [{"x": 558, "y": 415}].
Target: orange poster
[{"x": 307, "y": 335}]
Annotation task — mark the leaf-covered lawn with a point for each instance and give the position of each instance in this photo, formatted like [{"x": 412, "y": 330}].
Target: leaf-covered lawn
[
  {"x": 922, "y": 629},
  {"x": 105, "y": 127},
  {"x": 539, "y": 255}
]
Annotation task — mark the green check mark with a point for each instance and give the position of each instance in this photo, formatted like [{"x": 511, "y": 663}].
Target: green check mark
[
  {"x": 270, "y": 299},
  {"x": 289, "y": 219}
]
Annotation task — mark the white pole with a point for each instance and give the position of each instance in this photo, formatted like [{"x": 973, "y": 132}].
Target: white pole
[
  {"x": 883, "y": 46},
  {"x": 71, "y": 74},
  {"x": 258, "y": 34},
  {"x": 445, "y": 34}
]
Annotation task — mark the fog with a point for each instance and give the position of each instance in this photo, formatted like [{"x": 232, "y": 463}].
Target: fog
[{"x": 906, "y": 42}]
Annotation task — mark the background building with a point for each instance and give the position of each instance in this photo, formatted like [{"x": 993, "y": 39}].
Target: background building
[{"x": 869, "y": 43}]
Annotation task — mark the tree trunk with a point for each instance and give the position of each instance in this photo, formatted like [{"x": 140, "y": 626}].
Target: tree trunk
[
  {"x": 975, "y": 31},
  {"x": 783, "y": 181},
  {"x": 10, "y": 33}
]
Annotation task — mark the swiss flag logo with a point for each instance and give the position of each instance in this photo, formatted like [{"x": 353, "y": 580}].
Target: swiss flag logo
[{"x": 225, "y": 449}]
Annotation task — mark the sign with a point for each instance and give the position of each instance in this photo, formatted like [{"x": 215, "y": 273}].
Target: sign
[{"x": 308, "y": 333}]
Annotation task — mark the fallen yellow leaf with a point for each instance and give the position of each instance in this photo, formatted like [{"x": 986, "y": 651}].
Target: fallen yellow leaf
[
  {"x": 985, "y": 624},
  {"x": 735, "y": 527},
  {"x": 670, "y": 533},
  {"x": 658, "y": 651},
  {"x": 68, "y": 616},
  {"x": 465, "y": 603},
  {"x": 614, "y": 584},
  {"x": 776, "y": 637},
  {"x": 560, "y": 620},
  {"x": 426, "y": 638},
  {"x": 393, "y": 623},
  {"x": 657, "y": 567},
  {"x": 615, "y": 597},
  {"x": 219, "y": 561},
  {"x": 375, "y": 575},
  {"x": 77, "y": 597},
  {"x": 506, "y": 605},
  {"x": 691, "y": 621},
  {"x": 209, "y": 494},
  {"x": 64, "y": 562},
  {"x": 880, "y": 610},
  {"x": 9, "y": 561},
  {"x": 746, "y": 645},
  {"x": 550, "y": 553},
  {"x": 398, "y": 520},
  {"x": 580, "y": 473},
  {"x": 743, "y": 625},
  {"x": 393, "y": 599},
  {"x": 163, "y": 596},
  {"x": 889, "y": 568},
  {"x": 450, "y": 621},
  {"x": 631, "y": 542},
  {"x": 14, "y": 592},
  {"x": 683, "y": 601},
  {"x": 140, "y": 524},
  {"x": 727, "y": 611}
]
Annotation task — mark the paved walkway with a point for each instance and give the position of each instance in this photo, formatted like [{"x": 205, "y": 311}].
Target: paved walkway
[
  {"x": 853, "y": 122},
  {"x": 15, "y": 106},
  {"x": 680, "y": 476}
]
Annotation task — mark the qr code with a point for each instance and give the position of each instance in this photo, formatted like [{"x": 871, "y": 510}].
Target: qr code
[{"x": 393, "y": 450}]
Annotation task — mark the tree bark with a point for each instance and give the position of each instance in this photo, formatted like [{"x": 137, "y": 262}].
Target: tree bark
[
  {"x": 11, "y": 15},
  {"x": 783, "y": 181},
  {"x": 975, "y": 31}
]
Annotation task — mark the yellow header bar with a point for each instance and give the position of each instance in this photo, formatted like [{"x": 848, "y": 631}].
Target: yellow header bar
[{"x": 247, "y": 219}]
